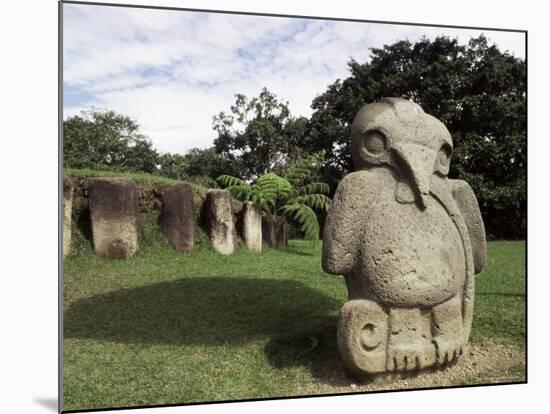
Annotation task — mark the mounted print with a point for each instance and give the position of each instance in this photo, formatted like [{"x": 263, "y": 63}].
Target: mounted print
[{"x": 266, "y": 206}]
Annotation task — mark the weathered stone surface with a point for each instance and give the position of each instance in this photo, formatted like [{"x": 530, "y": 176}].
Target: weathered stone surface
[
  {"x": 467, "y": 203},
  {"x": 363, "y": 345},
  {"x": 178, "y": 217},
  {"x": 219, "y": 220},
  {"x": 113, "y": 213},
  {"x": 275, "y": 231},
  {"x": 237, "y": 206},
  {"x": 407, "y": 239},
  {"x": 67, "y": 213},
  {"x": 198, "y": 201},
  {"x": 252, "y": 226}
]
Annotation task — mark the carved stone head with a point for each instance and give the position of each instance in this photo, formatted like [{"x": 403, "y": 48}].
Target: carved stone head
[{"x": 398, "y": 134}]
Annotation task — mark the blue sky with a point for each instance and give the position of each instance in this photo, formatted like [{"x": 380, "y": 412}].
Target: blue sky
[{"x": 173, "y": 71}]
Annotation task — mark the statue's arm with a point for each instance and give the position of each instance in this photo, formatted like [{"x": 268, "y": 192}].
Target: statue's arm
[
  {"x": 343, "y": 226},
  {"x": 467, "y": 203}
]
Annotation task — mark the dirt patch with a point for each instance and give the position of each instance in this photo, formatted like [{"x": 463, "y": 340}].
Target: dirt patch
[{"x": 489, "y": 363}]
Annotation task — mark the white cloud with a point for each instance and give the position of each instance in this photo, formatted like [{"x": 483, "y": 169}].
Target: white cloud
[{"x": 173, "y": 70}]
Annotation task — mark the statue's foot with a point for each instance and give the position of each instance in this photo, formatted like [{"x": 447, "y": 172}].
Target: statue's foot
[
  {"x": 409, "y": 347},
  {"x": 448, "y": 332},
  {"x": 447, "y": 349},
  {"x": 410, "y": 357},
  {"x": 363, "y": 336}
]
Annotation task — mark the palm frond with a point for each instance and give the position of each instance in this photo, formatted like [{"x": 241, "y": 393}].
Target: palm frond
[
  {"x": 318, "y": 187},
  {"x": 298, "y": 172},
  {"x": 317, "y": 201},
  {"x": 305, "y": 217},
  {"x": 240, "y": 192},
  {"x": 273, "y": 187},
  {"x": 229, "y": 180}
]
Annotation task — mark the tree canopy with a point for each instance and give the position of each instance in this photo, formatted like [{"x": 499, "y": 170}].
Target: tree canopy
[
  {"x": 258, "y": 135},
  {"x": 102, "y": 139},
  {"x": 196, "y": 162},
  {"x": 475, "y": 89}
]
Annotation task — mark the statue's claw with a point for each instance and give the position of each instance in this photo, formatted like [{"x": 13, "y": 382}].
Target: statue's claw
[
  {"x": 409, "y": 346},
  {"x": 410, "y": 358},
  {"x": 447, "y": 350},
  {"x": 448, "y": 332}
]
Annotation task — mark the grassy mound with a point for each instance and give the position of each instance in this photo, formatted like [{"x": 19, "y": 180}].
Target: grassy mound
[{"x": 138, "y": 177}]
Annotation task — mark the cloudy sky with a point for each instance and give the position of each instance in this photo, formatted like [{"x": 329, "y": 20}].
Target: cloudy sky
[{"x": 173, "y": 70}]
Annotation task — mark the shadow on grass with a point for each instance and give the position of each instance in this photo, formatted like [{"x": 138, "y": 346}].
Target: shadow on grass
[
  {"x": 200, "y": 311},
  {"x": 316, "y": 349}
]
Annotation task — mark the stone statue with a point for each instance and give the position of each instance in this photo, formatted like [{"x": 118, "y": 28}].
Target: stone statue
[{"x": 408, "y": 241}]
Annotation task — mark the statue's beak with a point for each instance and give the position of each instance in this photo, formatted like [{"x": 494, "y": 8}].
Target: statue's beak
[{"x": 419, "y": 163}]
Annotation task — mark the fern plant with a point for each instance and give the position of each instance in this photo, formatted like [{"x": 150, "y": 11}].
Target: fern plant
[{"x": 290, "y": 197}]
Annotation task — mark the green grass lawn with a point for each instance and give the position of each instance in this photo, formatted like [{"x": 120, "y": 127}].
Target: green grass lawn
[
  {"x": 165, "y": 327},
  {"x": 500, "y": 295}
]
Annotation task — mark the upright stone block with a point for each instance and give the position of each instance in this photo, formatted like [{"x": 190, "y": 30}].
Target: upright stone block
[
  {"x": 252, "y": 226},
  {"x": 408, "y": 240},
  {"x": 219, "y": 220},
  {"x": 178, "y": 217},
  {"x": 275, "y": 231},
  {"x": 114, "y": 216},
  {"x": 67, "y": 213}
]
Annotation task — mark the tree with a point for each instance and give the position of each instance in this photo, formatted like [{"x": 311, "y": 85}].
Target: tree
[
  {"x": 196, "y": 163},
  {"x": 173, "y": 166},
  {"x": 475, "y": 89},
  {"x": 102, "y": 139},
  {"x": 258, "y": 135},
  {"x": 205, "y": 162},
  {"x": 293, "y": 197}
]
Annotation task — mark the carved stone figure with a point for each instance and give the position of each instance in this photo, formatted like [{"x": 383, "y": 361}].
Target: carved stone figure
[{"x": 408, "y": 241}]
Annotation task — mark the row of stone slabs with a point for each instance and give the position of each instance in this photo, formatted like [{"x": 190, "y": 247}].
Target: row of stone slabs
[{"x": 114, "y": 210}]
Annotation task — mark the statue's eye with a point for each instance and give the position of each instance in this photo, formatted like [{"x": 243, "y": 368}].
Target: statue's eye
[
  {"x": 375, "y": 142},
  {"x": 444, "y": 155}
]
